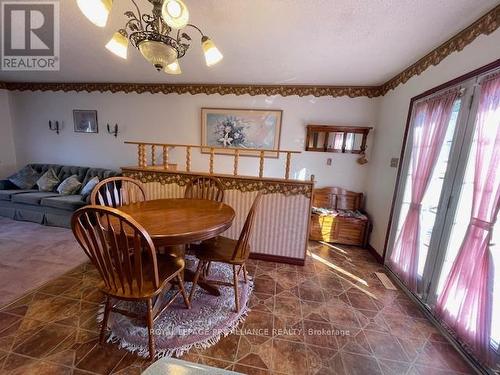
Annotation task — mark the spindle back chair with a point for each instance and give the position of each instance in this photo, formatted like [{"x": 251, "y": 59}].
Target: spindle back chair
[
  {"x": 125, "y": 257},
  {"x": 117, "y": 191},
  {"x": 205, "y": 187},
  {"x": 229, "y": 251}
]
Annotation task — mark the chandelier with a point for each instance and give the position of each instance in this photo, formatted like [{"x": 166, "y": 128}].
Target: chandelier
[{"x": 158, "y": 36}]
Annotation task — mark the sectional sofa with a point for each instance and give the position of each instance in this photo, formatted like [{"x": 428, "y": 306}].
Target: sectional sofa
[{"x": 48, "y": 208}]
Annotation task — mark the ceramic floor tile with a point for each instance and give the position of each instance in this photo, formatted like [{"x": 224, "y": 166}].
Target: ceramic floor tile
[{"x": 330, "y": 317}]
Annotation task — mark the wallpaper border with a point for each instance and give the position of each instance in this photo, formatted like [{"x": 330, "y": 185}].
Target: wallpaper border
[{"x": 485, "y": 25}]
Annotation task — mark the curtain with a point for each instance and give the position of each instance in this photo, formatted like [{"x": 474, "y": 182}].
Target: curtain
[
  {"x": 431, "y": 121},
  {"x": 465, "y": 303}
]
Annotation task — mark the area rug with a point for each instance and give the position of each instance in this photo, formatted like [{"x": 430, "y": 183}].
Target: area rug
[{"x": 178, "y": 329}]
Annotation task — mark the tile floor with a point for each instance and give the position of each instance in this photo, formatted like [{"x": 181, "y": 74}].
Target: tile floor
[{"x": 331, "y": 316}]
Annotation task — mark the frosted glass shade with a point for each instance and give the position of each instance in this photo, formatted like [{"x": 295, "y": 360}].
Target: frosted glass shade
[
  {"x": 118, "y": 45},
  {"x": 157, "y": 53},
  {"x": 212, "y": 53},
  {"x": 173, "y": 68},
  {"x": 97, "y": 11},
  {"x": 175, "y": 13}
]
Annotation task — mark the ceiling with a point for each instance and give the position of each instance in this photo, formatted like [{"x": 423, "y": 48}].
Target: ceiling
[{"x": 318, "y": 42}]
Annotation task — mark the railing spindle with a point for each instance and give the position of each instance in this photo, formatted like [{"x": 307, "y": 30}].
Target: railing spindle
[
  {"x": 188, "y": 159},
  {"x": 261, "y": 167},
  {"x": 153, "y": 155},
  {"x": 163, "y": 160},
  {"x": 287, "y": 167},
  {"x": 143, "y": 161},
  {"x": 236, "y": 156},
  {"x": 212, "y": 151},
  {"x": 165, "y": 157}
]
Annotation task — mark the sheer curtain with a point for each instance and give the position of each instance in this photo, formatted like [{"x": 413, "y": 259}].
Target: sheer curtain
[
  {"x": 465, "y": 303},
  {"x": 431, "y": 121}
]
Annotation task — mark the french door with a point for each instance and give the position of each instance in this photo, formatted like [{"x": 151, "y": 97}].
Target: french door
[{"x": 460, "y": 173}]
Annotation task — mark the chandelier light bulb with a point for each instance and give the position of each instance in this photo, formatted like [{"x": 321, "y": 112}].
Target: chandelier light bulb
[
  {"x": 175, "y": 13},
  {"x": 173, "y": 68},
  {"x": 212, "y": 53},
  {"x": 118, "y": 44},
  {"x": 97, "y": 11}
]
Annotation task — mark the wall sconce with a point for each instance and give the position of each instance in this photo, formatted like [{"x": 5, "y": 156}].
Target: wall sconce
[
  {"x": 114, "y": 131},
  {"x": 55, "y": 127}
]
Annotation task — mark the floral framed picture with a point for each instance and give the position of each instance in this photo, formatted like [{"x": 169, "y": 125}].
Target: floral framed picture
[
  {"x": 85, "y": 121},
  {"x": 243, "y": 129}
]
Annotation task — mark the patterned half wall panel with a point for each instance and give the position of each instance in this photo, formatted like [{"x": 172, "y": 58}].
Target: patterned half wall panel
[{"x": 282, "y": 225}]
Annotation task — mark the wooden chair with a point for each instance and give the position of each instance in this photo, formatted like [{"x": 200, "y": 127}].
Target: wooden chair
[
  {"x": 205, "y": 187},
  {"x": 125, "y": 256},
  {"x": 117, "y": 191},
  {"x": 229, "y": 251}
]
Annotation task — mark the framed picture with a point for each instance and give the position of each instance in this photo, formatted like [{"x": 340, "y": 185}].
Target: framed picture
[
  {"x": 85, "y": 121},
  {"x": 241, "y": 129}
]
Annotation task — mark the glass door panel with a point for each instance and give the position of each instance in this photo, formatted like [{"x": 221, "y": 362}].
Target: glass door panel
[
  {"x": 432, "y": 197},
  {"x": 459, "y": 217}
]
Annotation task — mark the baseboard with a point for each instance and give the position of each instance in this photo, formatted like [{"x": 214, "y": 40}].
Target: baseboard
[
  {"x": 375, "y": 254},
  {"x": 277, "y": 259}
]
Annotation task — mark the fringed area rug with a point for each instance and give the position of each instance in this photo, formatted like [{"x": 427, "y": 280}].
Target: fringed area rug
[{"x": 177, "y": 329}]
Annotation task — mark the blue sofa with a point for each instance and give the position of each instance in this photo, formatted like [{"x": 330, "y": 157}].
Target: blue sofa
[{"x": 48, "y": 208}]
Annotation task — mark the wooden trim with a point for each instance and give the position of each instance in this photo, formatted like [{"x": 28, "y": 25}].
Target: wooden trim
[
  {"x": 195, "y": 89},
  {"x": 230, "y": 182},
  {"x": 493, "y": 65},
  {"x": 379, "y": 258},
  {"x": 221, "y": 175},
  {"x": 455, "y": 81},
  {"x": 487, "y": 24},
  {"x": 277, "y": 259},
  {"x": 484, "y": 25}
]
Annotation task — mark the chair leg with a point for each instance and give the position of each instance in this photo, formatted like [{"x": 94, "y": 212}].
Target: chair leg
[
  {"x": 207, "y": 269},
  {"x": 195, "y": 280},
  {"x": 183, "y": 291},
  {"x": 245, "y": 277},
  {"x": 107, "y": 310},
  {"x": 149, "y": 319},
  {"x": 236, "y": 293}
]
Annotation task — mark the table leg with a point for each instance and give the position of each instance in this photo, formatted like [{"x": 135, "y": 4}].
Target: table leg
[{"x": 189, "y": 275}]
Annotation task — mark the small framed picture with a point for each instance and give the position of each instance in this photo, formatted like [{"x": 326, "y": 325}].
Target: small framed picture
[{"x": 85, "y": 121}]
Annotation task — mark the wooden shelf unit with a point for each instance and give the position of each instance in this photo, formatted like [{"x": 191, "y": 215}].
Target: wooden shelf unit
[{"x": 342, "y": 139}]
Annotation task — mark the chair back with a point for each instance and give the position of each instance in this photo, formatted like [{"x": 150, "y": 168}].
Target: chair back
[
  {"x": 117, "y": 191},
  {"x": 119, "y": 247},
  {"x": 205, "y": 187},
  {"x": 242, "y": 249}
]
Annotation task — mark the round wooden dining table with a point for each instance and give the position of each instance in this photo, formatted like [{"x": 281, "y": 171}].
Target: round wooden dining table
[{"x": 181, "y": 221}]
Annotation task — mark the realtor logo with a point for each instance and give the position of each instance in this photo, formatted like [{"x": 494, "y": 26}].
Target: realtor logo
[{"x": 30, "y": 35}]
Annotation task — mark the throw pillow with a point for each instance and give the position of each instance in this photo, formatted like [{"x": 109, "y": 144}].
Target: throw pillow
[
  {"x": 48, "y": 181},
  {"x": 89, "y": 186},
  {"x": 25, "y": 179},
  {"x": 69, "y": 186}
]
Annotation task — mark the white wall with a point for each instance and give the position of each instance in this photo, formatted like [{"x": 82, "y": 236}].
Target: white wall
[
  {"x": 7, "y": 152},
  {"x": 176, "y": 119},
  {"x": 392, "y": 120}
]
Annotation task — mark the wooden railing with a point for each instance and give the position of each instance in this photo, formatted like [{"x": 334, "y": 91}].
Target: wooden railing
[{"x": 142, "y": 151}]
